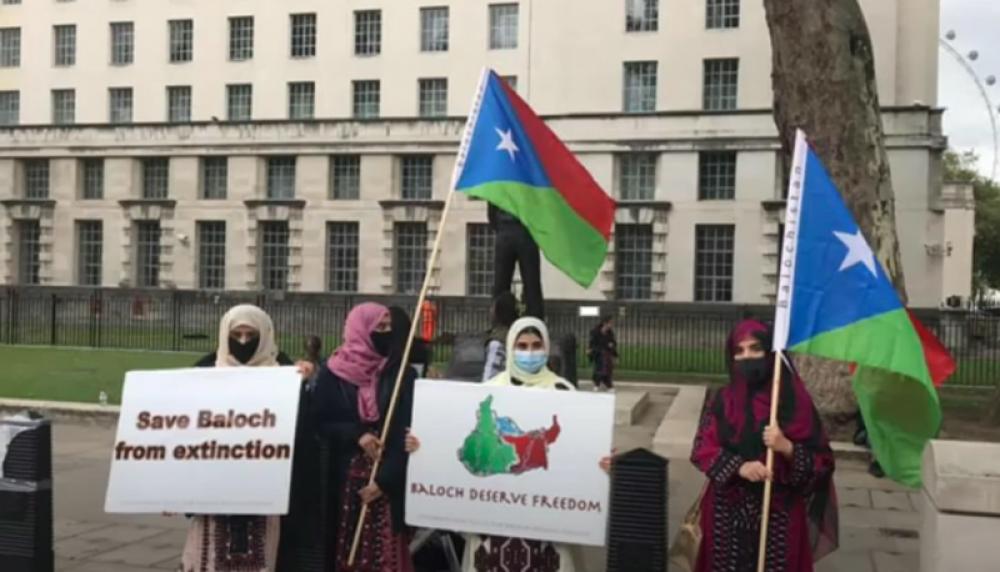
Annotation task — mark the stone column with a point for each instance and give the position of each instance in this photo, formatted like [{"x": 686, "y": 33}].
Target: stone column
[{"x": 961, "y": 507}]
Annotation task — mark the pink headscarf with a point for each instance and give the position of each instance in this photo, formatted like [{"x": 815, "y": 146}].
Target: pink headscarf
[{"x": 356, "y": 360}]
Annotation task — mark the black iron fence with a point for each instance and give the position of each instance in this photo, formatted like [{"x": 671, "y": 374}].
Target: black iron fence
[{"x": 653, "y": 337}]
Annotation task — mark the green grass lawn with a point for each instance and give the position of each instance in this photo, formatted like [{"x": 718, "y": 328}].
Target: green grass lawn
[
  {"x": 61, "y": 374},
  {"x": 80, "y": 374}
]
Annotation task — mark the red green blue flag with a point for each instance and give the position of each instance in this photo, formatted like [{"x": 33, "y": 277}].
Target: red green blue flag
[
  {"x": 510, "y": 158},
  {"x": 836, "y": 301}
]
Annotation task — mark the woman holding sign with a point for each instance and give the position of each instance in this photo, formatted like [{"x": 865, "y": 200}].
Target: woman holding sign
[
  {"x": 730, "y": 449},
  {"x": 217, "y": 543},
  {"x": 528, "y": 355},
  {"x": 352, "y": 395}
]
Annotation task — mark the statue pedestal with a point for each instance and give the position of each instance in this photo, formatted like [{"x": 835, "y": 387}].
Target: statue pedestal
[
  {"x": 468, "y": 358},
  {"x": 961, "y": 506}
]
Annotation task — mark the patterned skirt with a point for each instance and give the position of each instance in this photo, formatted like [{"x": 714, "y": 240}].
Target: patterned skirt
[
  {"x": 502, "y": 554},
  {"x": 231, "y": 544},
  {"x": 731, "y": 527},
  {"x": 381, "y": 549}
]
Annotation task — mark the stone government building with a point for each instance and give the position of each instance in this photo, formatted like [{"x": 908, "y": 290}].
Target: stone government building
[{"x": 308, "y": 145}]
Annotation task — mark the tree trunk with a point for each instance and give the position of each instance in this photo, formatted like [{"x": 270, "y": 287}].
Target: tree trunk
[{"x": 824, "y": 83}]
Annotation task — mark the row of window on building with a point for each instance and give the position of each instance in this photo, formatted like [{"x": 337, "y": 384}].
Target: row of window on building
[
  {"x": 639, "y": 95},
  {"x": 635, "y": 274},
  {"x": 640, "y": 16},
  {"x": 636, "y": 177}
]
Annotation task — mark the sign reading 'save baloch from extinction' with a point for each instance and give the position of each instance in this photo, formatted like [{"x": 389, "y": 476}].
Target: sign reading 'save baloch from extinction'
[
  {"x": 205, "y": 441},
  {"x": 510, "y": 461}
]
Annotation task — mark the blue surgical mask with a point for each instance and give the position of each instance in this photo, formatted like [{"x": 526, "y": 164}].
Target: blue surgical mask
[{"x": 530, "y": 361}]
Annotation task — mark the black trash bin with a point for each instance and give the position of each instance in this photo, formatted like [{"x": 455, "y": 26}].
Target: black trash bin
[
  {"x": 637, "y": 525},
  {"x": 26, "y": 494}
]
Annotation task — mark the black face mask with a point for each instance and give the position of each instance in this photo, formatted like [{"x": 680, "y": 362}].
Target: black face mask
[
  {"x": 382, "y": 341},
  {"x": 755, "y": 370},
  {"x": 243, "y": 352}
]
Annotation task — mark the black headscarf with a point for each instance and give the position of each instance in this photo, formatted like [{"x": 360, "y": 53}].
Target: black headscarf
[{"x": 401, "y": 324}]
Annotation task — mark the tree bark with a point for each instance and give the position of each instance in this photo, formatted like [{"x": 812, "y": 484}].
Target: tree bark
[{"x": 824, "y": 83}]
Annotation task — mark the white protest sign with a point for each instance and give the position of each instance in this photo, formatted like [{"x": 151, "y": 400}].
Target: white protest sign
[
  {"x": 205, "y": 441},
  {"x": 510, "y": 461}
]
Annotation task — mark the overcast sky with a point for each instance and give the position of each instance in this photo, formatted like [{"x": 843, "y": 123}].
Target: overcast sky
[{"x": 966, "y": 123}]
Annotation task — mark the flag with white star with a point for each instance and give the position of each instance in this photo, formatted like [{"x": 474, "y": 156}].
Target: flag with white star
[
  {"x": 836, "y": 301},
  {"x": 510, "y": 158}
]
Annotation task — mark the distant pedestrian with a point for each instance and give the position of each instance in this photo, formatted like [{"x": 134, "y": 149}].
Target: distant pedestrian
[
  {"x": 504, "y": 314},
  {"x": 603, "y": 352},
  {"x": 314, "y": 349}
]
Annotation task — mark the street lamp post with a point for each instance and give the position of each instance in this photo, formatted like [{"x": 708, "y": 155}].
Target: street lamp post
[{"x": 981, "y": 84}]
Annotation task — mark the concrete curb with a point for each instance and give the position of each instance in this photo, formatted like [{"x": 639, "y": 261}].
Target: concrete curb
[
  {"x": 845, "y": 451},
  {"x": 675, "y": 435},
  {"x": 629, "y": 406},
  {"x": 61, "y": 411}
]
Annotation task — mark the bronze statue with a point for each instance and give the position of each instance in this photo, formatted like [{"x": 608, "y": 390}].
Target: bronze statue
[{"x": 514, "y": 244}]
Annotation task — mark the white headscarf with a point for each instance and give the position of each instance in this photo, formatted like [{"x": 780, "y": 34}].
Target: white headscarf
[
  {"x": 545, "y": 378},
  {"x": 254, "y": 317}
]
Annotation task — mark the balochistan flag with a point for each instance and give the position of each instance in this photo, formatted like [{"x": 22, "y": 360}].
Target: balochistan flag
[
  {"x": 836, "y": 301},
  {"x": 511, "y": 159}
]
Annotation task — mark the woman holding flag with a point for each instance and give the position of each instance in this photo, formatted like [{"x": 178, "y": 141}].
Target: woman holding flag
[
  {"x": 352, "y": 395},
  {"x": 730, "y": 449}
]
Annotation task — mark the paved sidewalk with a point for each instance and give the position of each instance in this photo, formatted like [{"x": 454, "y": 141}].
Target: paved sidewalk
[
  {"x": 879, "y": 524},
  {"x": 87, "y": 539},
  {"x": 879, "y": 520}
]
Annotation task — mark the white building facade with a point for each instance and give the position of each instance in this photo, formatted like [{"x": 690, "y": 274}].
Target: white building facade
[{"x": 307, "y": 145}]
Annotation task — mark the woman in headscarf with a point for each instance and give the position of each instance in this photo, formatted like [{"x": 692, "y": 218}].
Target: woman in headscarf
[
  {"x": 527, "y": 366},
  {"x": 528, "y": 355},
  {"x": 222, "y": 543},
  {"x": 730, "y": 448},
  {"x": 352, "y": 395}
]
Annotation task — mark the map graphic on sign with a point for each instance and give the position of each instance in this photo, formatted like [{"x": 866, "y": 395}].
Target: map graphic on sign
[{"x": 499, "y": 446}]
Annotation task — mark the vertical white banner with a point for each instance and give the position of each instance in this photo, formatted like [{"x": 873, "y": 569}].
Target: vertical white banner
[{"x": 789, "y": 248}]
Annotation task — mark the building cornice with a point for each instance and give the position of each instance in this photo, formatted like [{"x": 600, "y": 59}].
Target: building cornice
[
  {"x": 22, "y": 202},
  {"x": 654, "y": 205},
  {"x": 129, "y": 203},
  {"x": 397, "y": 203},
  {"x": 450, "y": 121},
  {"x": 290, "y": 203}
]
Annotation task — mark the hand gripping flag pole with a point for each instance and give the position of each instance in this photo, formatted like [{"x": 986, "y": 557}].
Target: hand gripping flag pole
[
  {"x": 786, "y": 279},
  {"x": 463, "y": 153},
  {"x": 768, "y": 485}
]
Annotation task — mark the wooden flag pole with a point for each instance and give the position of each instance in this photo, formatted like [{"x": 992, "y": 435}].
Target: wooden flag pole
[
  {"x": 402, "y": 368},
  {"x": 766, "y": 510},
  {"x": 428, "y": 276}
]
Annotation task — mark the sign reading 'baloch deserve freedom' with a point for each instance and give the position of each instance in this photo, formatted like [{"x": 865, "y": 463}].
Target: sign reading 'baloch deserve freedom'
[
  {"x": 205, "y": 441},
  {"x": 510, "y": 461}
]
